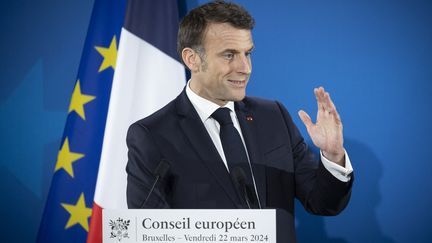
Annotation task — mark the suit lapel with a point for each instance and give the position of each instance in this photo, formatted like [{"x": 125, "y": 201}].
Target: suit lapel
[
  {"x": 201, "y": 142},
  {"x": 246, "y": 120}
]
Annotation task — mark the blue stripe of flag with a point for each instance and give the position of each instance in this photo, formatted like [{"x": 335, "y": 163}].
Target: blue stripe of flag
[{"x": 146, "y": 17}]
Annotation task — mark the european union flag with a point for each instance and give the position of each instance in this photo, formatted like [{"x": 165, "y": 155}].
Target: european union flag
[{"x": 69, "y": 203}]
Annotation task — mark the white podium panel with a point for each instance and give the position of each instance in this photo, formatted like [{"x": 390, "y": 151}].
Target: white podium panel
[{"x": 189, "y": 225}]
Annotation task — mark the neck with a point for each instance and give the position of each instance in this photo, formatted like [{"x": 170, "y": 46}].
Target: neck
[{"x": 202, "y": 93}]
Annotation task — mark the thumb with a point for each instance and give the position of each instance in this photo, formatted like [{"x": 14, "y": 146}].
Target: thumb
[{"x": 305, "y": 118}]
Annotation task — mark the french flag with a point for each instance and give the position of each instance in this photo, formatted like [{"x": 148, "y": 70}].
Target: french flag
[{"x": 147, "y": 76}]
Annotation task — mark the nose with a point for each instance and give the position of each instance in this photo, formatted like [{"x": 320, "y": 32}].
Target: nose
[{"x": 244, "y": 64}]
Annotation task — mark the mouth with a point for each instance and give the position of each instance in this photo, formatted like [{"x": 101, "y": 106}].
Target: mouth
[{"x": 237, "y": 83}]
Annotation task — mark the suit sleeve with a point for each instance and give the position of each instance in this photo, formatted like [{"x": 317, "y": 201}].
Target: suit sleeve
[
  {"x": 316, "y": 188},
  {"x": 143, "y": 158}
]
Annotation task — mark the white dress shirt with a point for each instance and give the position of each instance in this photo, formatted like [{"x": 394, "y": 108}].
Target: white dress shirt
[{"x": 205, "y": 109}]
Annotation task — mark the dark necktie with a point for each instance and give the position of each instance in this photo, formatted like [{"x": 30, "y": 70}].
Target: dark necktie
[{"x": 236, "y": 157}]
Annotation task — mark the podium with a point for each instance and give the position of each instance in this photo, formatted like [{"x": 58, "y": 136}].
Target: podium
[{"x": 197, "y": 225}]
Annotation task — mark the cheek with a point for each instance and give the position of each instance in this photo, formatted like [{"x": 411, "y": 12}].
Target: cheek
[{"x": 221, "y": 68}]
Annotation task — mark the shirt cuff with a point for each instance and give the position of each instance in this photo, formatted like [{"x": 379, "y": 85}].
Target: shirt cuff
[{"x": 341, "y": 173}]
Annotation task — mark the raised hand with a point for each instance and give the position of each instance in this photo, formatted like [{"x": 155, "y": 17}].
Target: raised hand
[{"x": 326, "y": 133}]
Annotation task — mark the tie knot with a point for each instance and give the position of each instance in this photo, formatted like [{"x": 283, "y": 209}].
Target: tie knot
[{"x": 222, "y": 115}]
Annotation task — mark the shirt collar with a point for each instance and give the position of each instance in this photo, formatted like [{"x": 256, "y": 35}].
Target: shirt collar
[{"x": 204, "y": 107}]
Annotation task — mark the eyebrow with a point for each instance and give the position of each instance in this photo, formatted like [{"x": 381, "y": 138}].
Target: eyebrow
[{"x": 236, "y": 51}]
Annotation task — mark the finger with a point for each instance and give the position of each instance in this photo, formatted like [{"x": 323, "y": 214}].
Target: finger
[
  {"x": 319, "y": 97},
  {"x": 331, "y": 104},
  {"x": 324, "y": 97},
  {"x": 338, "y": 119},
  {"x": 333, "y": 110},
  {"x": 327, "y": 102},
  {"x": 305, "y": 118},
  {"x": 328, "y": 106}
]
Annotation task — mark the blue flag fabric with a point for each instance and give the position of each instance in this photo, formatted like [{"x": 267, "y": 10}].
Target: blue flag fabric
[{"x": 68, "y": 208}]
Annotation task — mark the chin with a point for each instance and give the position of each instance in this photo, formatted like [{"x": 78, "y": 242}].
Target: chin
[
  {"x": 235, "y": 95},
  {"x": 239, "y": 97}
]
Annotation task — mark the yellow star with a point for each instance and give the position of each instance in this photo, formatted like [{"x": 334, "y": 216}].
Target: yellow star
[
  {"x": 109, "y": 54},
  {"x": 65, "y": 158},
  {"x": 79, "y": 100},
  {"x": 79, "y": 213}
]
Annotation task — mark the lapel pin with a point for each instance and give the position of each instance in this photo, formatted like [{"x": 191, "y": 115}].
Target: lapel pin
[{"x": 249, "y": 118}]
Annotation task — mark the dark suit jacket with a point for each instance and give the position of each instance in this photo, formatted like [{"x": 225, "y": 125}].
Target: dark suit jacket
[{"x": 282, "y": 164}]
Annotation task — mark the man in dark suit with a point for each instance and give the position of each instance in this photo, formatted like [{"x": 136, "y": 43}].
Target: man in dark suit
[{"x": 215, "y": 44}]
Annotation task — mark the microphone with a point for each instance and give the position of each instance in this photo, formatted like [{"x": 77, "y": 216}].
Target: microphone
[
  {"x": 160, "y": 173},
  {"x": 239, "y": 178}
]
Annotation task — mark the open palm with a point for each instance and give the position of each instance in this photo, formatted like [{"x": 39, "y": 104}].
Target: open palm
[{"x": 326, "y": 133}]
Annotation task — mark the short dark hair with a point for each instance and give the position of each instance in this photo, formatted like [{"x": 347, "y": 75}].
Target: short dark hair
[{"x": 194, "y": 24}]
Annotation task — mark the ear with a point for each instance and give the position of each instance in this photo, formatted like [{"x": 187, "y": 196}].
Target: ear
[{"x": 191, "y": 59}]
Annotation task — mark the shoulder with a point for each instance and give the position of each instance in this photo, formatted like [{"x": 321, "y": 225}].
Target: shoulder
[
  {"x": 158, "y": 118},
  {"x": 262, "y": 105},
  {"x": 270, "y": 111}
]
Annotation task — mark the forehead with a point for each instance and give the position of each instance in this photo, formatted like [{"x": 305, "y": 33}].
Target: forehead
[{"x": 225, "y": 36}]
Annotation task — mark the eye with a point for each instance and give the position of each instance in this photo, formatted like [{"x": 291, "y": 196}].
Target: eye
[
  {"x": 228, "y": 56},
  {"x": 248, "y": 54}
]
